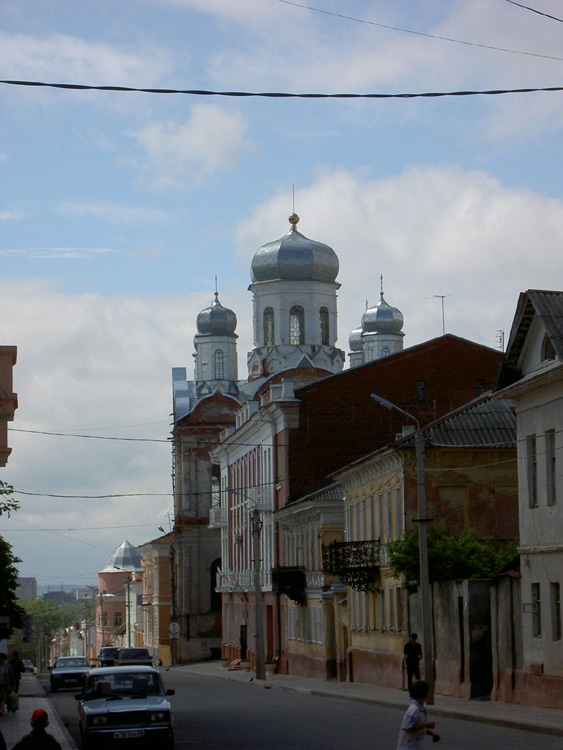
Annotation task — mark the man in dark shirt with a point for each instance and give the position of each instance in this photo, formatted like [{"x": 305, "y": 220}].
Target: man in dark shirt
[
  {"x": 412, "y": 655},
  {"x": 38, "y": 737}
]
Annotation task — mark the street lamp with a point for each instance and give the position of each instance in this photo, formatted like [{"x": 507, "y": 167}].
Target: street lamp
[
  {"x": 258, "y": 620},
  {"x": 428, "y": 645}
]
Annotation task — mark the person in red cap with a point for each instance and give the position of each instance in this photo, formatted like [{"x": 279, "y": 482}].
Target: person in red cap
[{"x": 38, "y": 737}]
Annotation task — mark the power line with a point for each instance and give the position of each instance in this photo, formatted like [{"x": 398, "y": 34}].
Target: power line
[
  {"x": 424, "y": 34},
  {"x": 527, "y": 7},
  {"x": 91, "y": 437},
  {"x": 288, "y": 95}
]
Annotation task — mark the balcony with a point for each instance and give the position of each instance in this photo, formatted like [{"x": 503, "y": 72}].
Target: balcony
[
  {"x": 290, "y": 581},
  {"x": 356, "y": 563}
]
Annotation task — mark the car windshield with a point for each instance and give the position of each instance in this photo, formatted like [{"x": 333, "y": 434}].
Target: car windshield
[
  {"x": 68, "y": 661},
  {"x": 133, "y": 653},
  {"x": 123, "y": 683}
]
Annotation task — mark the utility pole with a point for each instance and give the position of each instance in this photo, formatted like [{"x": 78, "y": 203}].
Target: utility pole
[
  {"x": 422, "y": 520},
  {"x": 259, "y": 623}
]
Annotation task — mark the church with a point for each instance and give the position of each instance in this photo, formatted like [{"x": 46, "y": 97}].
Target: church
[
  {"x": 255, "y": 499},
  {"x": 294, "y": 288}
]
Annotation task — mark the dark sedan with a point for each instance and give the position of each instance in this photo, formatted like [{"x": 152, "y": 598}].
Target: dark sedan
[{"x": 69, "y": 671}]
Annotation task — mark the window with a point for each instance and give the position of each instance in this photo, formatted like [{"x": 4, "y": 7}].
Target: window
[
  {"x": 218, "y": 365},
  {"x": 117, "y": 618},
  {"x": 547, "y": 349},
  {"x": 421, "y": 390},
  {"x": 215, "y": 486},
  {"x": 323, "y": 326},
  {"x": 296, "y": 325},
  {"x": 550, "y": 467},
  {"x": 536, "y": 611},
  {"x": 385, "y": 352},
  {"x": 269, "y": 326},
  {"x": 532, "y": 469},
  {"x": 555, "y": 611},
  {"x": 104, "y": 619}
]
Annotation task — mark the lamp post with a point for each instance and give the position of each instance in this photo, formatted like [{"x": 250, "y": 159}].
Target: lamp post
[
  {"x": 422, "y": 520},
  {"x": 256, "y": 524}
]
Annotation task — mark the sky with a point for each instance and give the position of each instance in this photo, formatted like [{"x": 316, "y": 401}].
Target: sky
[{"x": 119, "y": 209}]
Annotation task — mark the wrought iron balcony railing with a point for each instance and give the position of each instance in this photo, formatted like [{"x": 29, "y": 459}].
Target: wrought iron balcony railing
[
  {"x": 291, "y": 581},
  {"x": 356, "y": 563}
]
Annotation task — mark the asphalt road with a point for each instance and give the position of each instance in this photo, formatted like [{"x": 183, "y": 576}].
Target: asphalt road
[{"x": 220, "y": 714}]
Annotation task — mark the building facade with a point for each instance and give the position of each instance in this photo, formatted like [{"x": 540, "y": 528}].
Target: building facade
[
  {"x": 8, "y": 399},
  {"x": 532, "y": 375}
]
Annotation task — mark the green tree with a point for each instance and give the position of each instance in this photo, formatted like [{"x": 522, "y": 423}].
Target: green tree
[
  {"x": 8, "y": 570},
  {"x": 450, "y": 557},
  {"x": 48, "y": 618}
]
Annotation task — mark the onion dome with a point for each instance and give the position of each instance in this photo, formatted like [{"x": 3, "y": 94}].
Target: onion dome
[
  {"x": 355, "y": 340},
  {"x": 216, "y": 320},
  {"x": 382, "y": 318},
  {"x": 125, "y": 557},
  {"x": 294, "y": 257}
]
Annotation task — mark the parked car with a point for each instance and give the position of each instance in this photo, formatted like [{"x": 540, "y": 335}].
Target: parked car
[
  {"x": 128, "y": 656},
  {"x": 29, "y": 666},
  {"x": 107, "y": 656},
  {"x": 69, "y": 671},
  {"x": 125, "y": 705}
]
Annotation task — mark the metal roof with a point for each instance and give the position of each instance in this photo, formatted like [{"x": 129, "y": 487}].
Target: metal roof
[
  {"x": 123, "y": 558},
  {"x": 483, "y": 423},
  {"x": 548, "y": 306}
]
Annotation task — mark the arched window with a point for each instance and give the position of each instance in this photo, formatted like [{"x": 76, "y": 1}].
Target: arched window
[
  {"x": 269, "y": 326},
  {"x": 215, "y": 596},
  {"x": 296, "y": 325},
  {"x": 323, "y": 326},
  {"x": 218, "y": 365}
]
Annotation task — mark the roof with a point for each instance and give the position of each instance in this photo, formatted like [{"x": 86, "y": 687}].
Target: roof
[
  {"x": 123, "y": 558},
  {"x": 483, "y": 423},
  {"x": 546, "y": 305}
]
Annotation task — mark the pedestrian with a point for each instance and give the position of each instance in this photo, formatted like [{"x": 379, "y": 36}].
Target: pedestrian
[
  {"x": 415, "y": 724},
  {"x": 18, "y": 669},
  {"x": 412, "y": 656},
  {"x": 6, "y": 681},
  {"x": 38, "y": 739},
  {"x": 2, "y": 742}
]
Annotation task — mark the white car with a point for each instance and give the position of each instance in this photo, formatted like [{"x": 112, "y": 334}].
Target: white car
[{"x": 126, "y": 705}]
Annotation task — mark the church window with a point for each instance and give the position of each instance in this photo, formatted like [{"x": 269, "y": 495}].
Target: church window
[
  {"x": 296, "y": 325},
  {"x": 269, "y": 326},
  {"x": 324, "y": 327},
  {"x": 218, "y": 362},
  {"x": 421, "y": 390},
  {"x": 385, "y": 352}
]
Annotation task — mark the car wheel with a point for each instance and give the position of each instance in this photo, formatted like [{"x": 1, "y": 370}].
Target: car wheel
[
  {"x": 85, "y": 741},
  {"x": 169, "y": 743}
]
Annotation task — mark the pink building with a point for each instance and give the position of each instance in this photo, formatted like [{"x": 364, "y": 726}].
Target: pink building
[{"x": 119, "y": 586}]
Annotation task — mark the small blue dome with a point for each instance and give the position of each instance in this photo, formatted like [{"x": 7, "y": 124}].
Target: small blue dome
[
  {"x": 216, "y": 320},
  {"x": 382, "y": 318}
]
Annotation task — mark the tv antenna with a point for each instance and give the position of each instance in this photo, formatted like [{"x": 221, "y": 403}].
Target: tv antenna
[{"x": 442, "y": 297}]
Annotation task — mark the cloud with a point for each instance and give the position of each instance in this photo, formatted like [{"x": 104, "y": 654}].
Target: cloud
[
  {"x": 12, "y": 214},
  {"x": 430, "y": 231},
  {"x": 112, "y": 213},
  {"x": 106, "y": 364},
  {"x": 55, "y": 252},
  {"x": 213, "y": 140},
  {"x": 63, "y": 58}
]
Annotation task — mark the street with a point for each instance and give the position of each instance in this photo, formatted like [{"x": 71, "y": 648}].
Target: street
[{"x": 216, "y": 713}]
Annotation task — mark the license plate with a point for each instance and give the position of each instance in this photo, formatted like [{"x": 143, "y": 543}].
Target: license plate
[{"x": 131, "y": 734}]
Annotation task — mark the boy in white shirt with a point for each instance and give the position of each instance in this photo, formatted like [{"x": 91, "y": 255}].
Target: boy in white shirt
[{"x": 415, "y": 724}]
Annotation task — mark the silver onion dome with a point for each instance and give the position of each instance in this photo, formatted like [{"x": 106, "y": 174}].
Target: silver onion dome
[
  {"x": 294, "y": 257},
  {"x": 216, "y": 320},
  {"x": 355, "y": 340},
  {"x": 382, "y": 318}
]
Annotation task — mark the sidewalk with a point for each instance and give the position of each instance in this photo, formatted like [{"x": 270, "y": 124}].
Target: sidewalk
[
  {"x": 544, "y": 720},
  {"x": 32, "y": 696}
]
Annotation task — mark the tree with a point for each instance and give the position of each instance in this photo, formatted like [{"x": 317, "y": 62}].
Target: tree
[
  {"x": 48, "y": 618},
  {"x": 8, "y": 570},
  {"x": 450, "y": 557}
]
